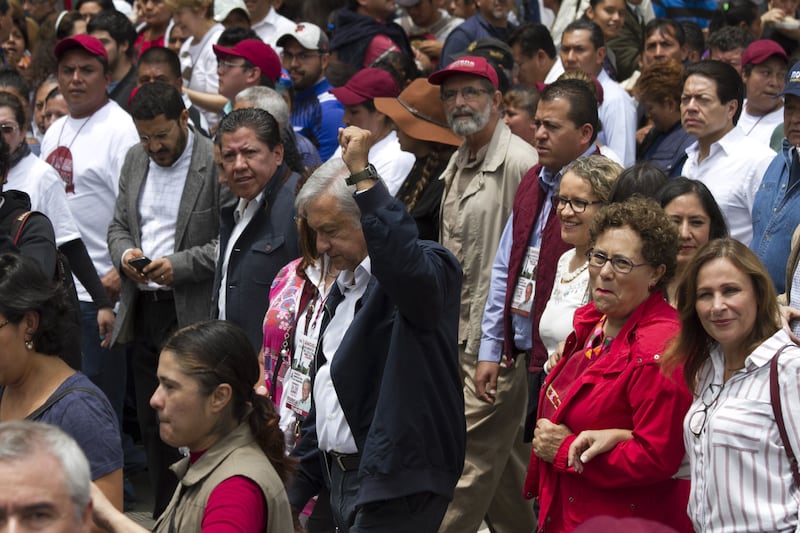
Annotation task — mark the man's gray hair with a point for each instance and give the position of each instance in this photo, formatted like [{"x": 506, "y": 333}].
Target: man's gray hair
[
  {"x": 21, "y": 440},
  {"x": 329, "y": 179},
  {"x": 269, "y": 100}
]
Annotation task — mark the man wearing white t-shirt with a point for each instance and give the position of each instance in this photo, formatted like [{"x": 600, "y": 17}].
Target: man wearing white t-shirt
[
  {"x": 764, "y": 65},
  {"x": 87, "y": 148},
  {"x": 392, "y": 163},
  {"x": 730, "y": 164}
]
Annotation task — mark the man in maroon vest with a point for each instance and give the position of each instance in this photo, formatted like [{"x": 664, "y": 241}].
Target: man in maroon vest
[{"x": 567, "y": 125}]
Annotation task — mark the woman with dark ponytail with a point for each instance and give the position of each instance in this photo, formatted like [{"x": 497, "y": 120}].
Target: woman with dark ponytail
[{"x": 237, "y": 465}]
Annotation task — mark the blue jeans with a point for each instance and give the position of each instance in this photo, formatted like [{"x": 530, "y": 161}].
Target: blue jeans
[{"x": 104, "y": 366}]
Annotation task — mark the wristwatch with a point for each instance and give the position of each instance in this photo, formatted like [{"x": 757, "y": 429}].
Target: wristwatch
[{"x": 368, "y": 173}]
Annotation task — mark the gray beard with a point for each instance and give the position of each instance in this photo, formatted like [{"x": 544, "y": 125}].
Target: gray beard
[{"x": 479, "y": 120}]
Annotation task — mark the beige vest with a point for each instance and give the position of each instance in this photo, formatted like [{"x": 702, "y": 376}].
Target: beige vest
[{"x": 237, "y": 454}]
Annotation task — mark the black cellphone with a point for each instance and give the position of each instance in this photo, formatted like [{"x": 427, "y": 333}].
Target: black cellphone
[{"x": 139, "y": 263}]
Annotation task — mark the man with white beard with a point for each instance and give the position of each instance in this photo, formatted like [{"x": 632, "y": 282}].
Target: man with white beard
[{"x": 480, "y": 182}]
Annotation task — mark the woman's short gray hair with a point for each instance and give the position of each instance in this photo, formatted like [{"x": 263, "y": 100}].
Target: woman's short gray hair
[
  {"x": 329, "y": 179},
  {"x": 24, "y": 439}
]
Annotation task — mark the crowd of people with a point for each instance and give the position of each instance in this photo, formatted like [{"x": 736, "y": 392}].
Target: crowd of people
[{"x": 400, "y": 265}]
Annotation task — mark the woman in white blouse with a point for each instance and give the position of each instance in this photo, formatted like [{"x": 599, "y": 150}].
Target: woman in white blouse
[
  {"x": 741, "y": 477},
  {"x": 584, "y": 189}
]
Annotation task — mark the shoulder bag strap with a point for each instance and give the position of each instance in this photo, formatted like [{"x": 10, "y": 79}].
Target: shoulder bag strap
[
  {"x": 52, "y": 400},
  {"x": 20, "y": 221},
  {"x": 775, "y": 400}
]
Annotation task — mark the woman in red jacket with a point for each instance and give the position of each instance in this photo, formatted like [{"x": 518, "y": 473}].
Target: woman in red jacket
[{"x": 611, "y": 377}]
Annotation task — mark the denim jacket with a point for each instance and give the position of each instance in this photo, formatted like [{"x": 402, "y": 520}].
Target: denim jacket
[{"x": 776, "y": 213}]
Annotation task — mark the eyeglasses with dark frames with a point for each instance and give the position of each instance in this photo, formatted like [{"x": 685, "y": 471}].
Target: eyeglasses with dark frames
[
  {"x": 697, "y": 422},
  {"x": 576, "y": 204},
  {"x": 8, "y": 128},
  {"x": 620, "y": 264}
]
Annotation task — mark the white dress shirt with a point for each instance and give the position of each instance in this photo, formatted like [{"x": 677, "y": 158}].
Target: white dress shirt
[
  {"x": 732, "y": 171},
  {"x": 159, "y": 201},
  {"x": 333, "y": 431},
  {"x": 244, "y": 213},
  {"x": 618, "y": 117},
  {"x": 741, "y": 480}
]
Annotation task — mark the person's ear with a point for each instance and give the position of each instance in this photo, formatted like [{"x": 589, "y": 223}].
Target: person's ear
[{"x": 221, "y": 397}]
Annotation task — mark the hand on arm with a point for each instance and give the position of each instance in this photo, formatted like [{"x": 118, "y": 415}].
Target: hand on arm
[
  {"x": 788, "y": 314},
  {"x": 554, "y": 358},
  {"x": 591, "y": 443},
  {"x": 547, "y": 439}
]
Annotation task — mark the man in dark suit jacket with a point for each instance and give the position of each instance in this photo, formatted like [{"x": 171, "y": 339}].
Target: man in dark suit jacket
[
  {"x": 258, "y": 235},
  {"x": 387, "y": 424},
  {"x": 168, "y": 210}
]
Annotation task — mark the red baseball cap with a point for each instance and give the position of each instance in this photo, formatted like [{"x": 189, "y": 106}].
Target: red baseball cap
[
  {"x": 761, "y": 50},
  {"x": 83, "y": 41},
  {"x": 258, "y": 53},
  {"x": 477, "y": 66},
  {"x": 366, "y": 85}
]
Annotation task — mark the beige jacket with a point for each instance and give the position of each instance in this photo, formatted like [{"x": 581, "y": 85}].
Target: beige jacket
[
  {"x": 237, "y": 454},
  {"x": 472, "y": 222}
]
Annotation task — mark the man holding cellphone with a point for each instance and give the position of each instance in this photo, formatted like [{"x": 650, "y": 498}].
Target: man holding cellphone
[{"x": 168, "y": 208}]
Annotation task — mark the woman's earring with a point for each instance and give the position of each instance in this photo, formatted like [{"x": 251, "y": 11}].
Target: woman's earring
[{"x": 29, "y": 344}]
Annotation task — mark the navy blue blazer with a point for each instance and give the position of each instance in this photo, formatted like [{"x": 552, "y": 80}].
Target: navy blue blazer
[
  {"x": 396, "y": 371},
  {"x": 267, "y": 244}
]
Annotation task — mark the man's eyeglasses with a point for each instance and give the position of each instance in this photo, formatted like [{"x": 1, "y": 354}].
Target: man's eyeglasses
[
  {"x": 698, "y": 420},
  {"x": 576, "y": 204},
  {"x": 620, "y": 264},
  {"x": 222, "y": 64},
  {"x": 469, "y": 94},
  {"x": 157, "y": 137},
  {"x": 8, "y": 128},
  {"x": 302, "y": 56}
]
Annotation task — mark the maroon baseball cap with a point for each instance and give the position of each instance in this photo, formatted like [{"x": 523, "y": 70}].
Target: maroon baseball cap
[
  {"x": 366, "y": 85},
  {"x": 258, "y": 53},
  {"x": 477, "y": 66},
  {"x": 83, "y": 41},
  {"x": 761, "y": 50}
]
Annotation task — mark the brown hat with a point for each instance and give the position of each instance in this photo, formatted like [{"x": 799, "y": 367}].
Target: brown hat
[{"x": 419, "y": 113}]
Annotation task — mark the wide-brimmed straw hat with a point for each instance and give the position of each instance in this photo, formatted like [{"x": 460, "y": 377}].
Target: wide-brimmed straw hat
[{"x": 418, "y": 111}]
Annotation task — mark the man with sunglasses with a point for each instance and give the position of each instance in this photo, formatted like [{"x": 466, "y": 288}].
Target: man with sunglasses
[
  {"x": 511, "y": 356},
  {"x": 480, "y": 183},
  {"x": 316, "y": 113}
]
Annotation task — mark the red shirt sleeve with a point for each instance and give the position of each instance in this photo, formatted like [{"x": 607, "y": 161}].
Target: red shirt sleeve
[{"x": 236, "y": 504}]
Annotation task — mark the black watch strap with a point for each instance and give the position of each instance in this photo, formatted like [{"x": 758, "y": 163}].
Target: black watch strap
[{"x": 366, "y": 174}]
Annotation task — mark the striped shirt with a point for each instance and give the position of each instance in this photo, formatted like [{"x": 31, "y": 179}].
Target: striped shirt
[{"x": 741, "y": 480}]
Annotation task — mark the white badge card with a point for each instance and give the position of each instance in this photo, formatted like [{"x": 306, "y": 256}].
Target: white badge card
[
  {"x": 298, "y": 395},
  {"x": 522, "y": 301}
]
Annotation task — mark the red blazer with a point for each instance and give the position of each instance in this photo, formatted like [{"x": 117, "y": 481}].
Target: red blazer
[{"x": 626, "y": 389}]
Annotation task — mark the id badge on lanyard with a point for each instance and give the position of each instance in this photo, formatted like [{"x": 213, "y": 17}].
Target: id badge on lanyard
[
  {"x": 298, "y": 379},
  {"x": 522, "y": 301}
]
